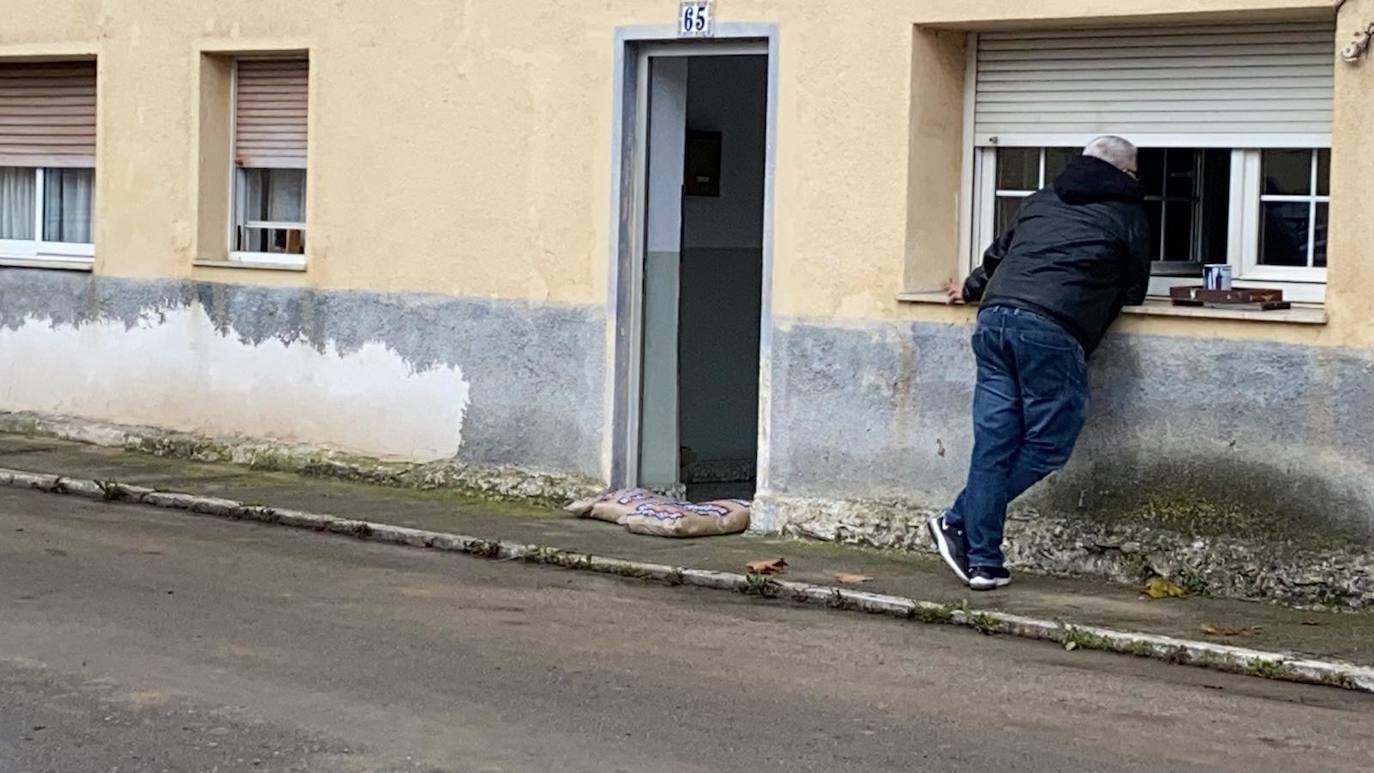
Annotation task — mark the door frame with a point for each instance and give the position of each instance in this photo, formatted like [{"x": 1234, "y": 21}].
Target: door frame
[{"x": 634, "y": 46}]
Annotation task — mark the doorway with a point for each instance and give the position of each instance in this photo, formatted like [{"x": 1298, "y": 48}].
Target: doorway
[{"x": 692, "y": 301}]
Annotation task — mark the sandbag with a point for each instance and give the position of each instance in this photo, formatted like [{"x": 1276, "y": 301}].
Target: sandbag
[
  {"x": 614, "y": 506},
  {"x": 642, "y": 511},
  {"x": 685, "y": 519}
]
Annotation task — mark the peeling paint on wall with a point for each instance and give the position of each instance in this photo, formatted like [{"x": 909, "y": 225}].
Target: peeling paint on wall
[{"x": 180, "y": 373}]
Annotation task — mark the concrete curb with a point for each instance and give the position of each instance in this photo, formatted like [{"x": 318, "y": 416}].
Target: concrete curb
[{"x": 1219, "y": 657}]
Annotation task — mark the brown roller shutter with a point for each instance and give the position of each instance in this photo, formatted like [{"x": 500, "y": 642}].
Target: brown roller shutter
[
  {"x": 270, "y": 113},
  {"x": 47, "y": 114}
]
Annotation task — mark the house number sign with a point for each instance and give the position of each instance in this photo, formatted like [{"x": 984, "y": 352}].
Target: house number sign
[{"x": 696, "y": 19}]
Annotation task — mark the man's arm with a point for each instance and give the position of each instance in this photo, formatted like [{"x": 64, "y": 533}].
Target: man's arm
[
  {"x": 1138, "y": 266},
  {"x": 977, "y": 281}
]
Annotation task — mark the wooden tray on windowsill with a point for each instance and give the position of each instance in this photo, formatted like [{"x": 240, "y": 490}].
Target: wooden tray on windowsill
[{"x": 1241, "y": 299}]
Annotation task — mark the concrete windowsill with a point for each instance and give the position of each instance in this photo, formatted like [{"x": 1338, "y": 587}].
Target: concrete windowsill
[
  {"x": 242, "y": 264},
  {"x": 51, "y": 264},
  {"x": 1157, "y": 307}
]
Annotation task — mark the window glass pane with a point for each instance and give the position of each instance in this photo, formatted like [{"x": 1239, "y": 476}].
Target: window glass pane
[
  {"x": 16, "y": 203},
  {"x": 271, "y": 196},
  {"x": 1007, "y": 209},
  {"x": 1287, "y": 172},
  {"x": 279, "y": 240},
  {"x": 276, "y": 195},
  {"x": 1283, "y": 233},
  {"x": 1153, "y": 212},
  {"x": 1319, "y": 246},
  {"x": 1215, "y": 192},
  {"x": 1056, "y": 159},
  {"x": 1178, "y": 230},
  {"x": 1180, "y": 173},
  {"x": 1323, "y": 172},
  {"x": 1150, "y": 162},
  {"x": 67, "y": 195},
  {"x": 1018, "y": 169}
]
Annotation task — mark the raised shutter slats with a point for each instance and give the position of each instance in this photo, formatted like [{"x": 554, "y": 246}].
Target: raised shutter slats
[
  {"x": 47, "y": 114},
  {"x": 271, "y": 113},
  {"x": 1251, "y": 85}
]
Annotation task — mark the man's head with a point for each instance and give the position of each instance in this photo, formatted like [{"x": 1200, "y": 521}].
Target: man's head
[{"x": 1116, "y": 151}]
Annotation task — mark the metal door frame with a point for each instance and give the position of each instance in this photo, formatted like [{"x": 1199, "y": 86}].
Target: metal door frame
[{"x": 634, "y": 47}]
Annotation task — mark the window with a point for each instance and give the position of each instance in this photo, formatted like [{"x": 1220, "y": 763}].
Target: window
[
  {"x": 1293, "y": 203},
  {"x": 1194, "y": 217},
  {"x": 1021, "y": 172},
  {"x": 270, "y": 120},
  {"x": 1234, "y": 161},
  {"x": 47, "y": 161}
]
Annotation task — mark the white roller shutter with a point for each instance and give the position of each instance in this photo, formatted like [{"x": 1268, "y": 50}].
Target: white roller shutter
[
  {"x": 47, "y": 114},
  {"x": 270, "y": 113},
  {"x": 1253, "y": 85}
]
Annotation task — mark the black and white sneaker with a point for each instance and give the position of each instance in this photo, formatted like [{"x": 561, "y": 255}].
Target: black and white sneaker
[
  {"x": 988, "y": 578},
  {"x": 951, "y": 544}
]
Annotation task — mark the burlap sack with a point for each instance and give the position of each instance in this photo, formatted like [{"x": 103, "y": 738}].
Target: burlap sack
[
  {"x": 614, "y": 506},
  {"x": 685, "y": 519}
]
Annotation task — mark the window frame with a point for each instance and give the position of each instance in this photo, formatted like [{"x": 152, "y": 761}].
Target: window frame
[
  {"x": 238, "y": 199},
  {"x": 39, "y": 249},
  {"x": 239, "y": 221},
  {"x": 1299, "y": 284}
]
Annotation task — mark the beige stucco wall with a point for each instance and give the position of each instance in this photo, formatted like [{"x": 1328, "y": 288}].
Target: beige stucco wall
[{"x": 465, "y": 148}]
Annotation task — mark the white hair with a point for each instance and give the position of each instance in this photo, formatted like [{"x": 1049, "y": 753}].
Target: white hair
[{"x": 1114, "y": 150}]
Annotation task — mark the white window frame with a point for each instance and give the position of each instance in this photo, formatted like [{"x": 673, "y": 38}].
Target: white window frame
[
  {"x": 1250, "y": 266},
  {"x": 1299, "y": 284},
  {"x": 38, "y": 249},
  {"x": 238, "y": 202}
]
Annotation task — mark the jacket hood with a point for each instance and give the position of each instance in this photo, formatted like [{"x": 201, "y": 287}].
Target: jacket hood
[{"x": 1087, "y": 180}]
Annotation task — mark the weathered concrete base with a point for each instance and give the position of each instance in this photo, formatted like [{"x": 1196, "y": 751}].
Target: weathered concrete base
[
  {"x": 1236, "y": 468},
  {"x": 408, "y": 376},
  {"x": 1174, "y": 650},
  {"x": 505, "y": 482},
  {"x": 1328, "y": 575}
]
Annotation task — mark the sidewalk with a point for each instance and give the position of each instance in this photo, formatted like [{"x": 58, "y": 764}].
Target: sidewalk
[{"x": 1345, "y": 637}]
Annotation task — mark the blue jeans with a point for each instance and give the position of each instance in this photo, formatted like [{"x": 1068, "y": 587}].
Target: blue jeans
[{"x": 1028, "y": 408}]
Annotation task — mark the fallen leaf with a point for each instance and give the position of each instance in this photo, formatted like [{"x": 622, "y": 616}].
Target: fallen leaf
[
  {"x": 1313, "y": 622},
  {"x": 1160, "y": 588},
  {"x": 1220, "y": 630},
  {"x": 768, "y": 566},
  {"x": 845, "y": 578}
]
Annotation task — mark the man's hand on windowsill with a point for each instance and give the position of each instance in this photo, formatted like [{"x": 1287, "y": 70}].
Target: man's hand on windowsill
[{"x": 954, "y": 292}]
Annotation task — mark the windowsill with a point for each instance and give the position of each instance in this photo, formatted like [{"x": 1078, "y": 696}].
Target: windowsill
[
  {"x": 255, "y": 265},
  {"x": 49, "y": 263},
  {"x": 1305, "y": 314},
  {"x": 1158, "y": 307}
]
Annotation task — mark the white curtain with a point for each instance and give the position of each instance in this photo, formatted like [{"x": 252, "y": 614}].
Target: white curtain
[
  {"x": 276, "y": 195},
  {"x": 16, "y": 203},
  {"x": 67, "y": 195}
]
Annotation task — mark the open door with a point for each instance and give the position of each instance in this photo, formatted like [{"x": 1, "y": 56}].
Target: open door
[{"x": 690, "y": 286}]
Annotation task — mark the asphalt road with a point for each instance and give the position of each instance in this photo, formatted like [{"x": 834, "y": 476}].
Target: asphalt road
[{"x": 134, "y": 639}]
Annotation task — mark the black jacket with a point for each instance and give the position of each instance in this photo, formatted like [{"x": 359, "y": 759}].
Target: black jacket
[{"x": 1078, "y": 251}]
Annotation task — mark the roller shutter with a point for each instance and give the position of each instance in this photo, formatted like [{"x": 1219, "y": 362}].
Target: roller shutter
[
  {"x": 1256, "y": 85},
  {"x": 270, "y": 113},
  {"x": 47, "y": 114}
]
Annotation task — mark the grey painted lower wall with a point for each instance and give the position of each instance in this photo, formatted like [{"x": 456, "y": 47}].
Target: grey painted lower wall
[
  {"x": 1203, "y": 459},
  {"x": 531, "y": 375}
]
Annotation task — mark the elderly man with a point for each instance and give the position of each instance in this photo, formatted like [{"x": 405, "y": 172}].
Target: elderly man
[{"x": 1049, "y": 288}]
